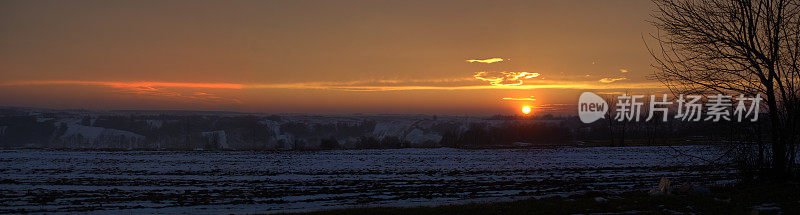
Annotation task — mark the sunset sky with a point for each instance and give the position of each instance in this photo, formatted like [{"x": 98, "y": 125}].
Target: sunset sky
[{"x": 431, "y": 57}]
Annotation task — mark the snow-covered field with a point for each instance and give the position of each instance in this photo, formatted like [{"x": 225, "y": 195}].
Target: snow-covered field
[{"x": 200, "y": 182}]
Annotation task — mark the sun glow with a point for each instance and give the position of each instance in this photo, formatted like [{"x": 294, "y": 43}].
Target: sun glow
[{"x": 526, "y": 110}]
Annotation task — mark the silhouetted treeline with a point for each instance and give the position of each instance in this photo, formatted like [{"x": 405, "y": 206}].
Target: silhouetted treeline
[
  {"x": 82, "y": 129},
  {"x": 481, "y": 134}
]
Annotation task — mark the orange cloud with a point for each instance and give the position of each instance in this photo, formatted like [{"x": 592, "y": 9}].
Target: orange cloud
[
  {"x": 165, "y": 90},
  {"x": 504, "y": 78},
  {"x": 177, "y": 84},
  {"x": 520, "y": 99},
  {"x": 490, "y": 60},
  {"x": 130, "y": 84},
  {"x": 195, "y": 96},
  {"x": 609, "y": 80}
]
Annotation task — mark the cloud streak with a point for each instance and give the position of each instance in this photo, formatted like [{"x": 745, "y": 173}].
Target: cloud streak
[
  {"x": 480, "y": 81},
  {"x": 520, "y": 99},
  {"x": 128, "y": 84},
  {"x": 611, "y": 80},
  {"x": 504, "y": 78},
  {"x": 541, "y": 84},
  {"x": 162, "y": 90},
  {"x": 487, "y": 61}
]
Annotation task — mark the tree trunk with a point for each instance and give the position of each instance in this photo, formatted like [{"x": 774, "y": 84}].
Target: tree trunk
[{"x": 778, "y": 144}]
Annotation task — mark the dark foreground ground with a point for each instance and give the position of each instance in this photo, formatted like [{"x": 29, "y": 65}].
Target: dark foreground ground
[
  {"x": 253, "y": 182},
  {"x": 772, "y": 198}
]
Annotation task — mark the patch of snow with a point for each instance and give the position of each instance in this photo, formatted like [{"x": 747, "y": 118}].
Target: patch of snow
[{"x": 44, "y": 119}]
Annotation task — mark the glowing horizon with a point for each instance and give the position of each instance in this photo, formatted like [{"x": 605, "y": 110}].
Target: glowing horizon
[{"x": 442, "y": 59}]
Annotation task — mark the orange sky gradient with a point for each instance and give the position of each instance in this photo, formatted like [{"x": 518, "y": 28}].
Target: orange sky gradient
[{"x": 405, "y": 57}]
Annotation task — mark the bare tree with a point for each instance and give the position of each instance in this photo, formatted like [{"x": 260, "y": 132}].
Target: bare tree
[{"x": 735, "y": 46}]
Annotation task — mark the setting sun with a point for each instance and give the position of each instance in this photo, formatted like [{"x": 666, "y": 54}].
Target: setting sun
[{"x": 526, "y": 109}]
